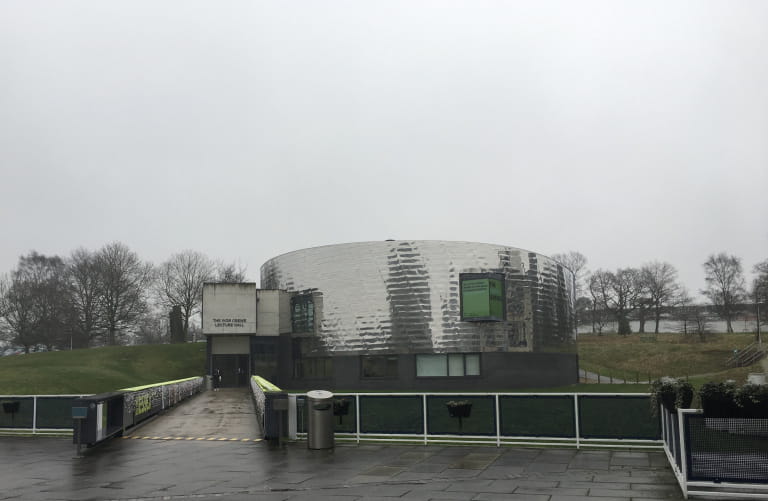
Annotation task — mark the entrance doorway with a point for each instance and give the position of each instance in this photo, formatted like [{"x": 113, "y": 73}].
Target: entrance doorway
[{"x": 234, "y": 370}]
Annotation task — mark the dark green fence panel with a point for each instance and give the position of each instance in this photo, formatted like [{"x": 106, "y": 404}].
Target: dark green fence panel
[
  {"x": 481, "y": 419},
  {"x": 344, "y": 423},
  {"x": 617, "y": 416},
  {"x": 537, "y": 416},
  {"x": 387, "y": 414},
  {"x": 301, "y": 414},
  {"x": 344, "y": 414},
  {"x": 17, "y": 412},
  {"x": 54, "y": 412}
]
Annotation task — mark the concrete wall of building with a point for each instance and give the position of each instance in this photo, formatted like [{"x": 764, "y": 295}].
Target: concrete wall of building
[
  {"x": 229, "y": 309},
  {"x": 500, "y": 371},
  {"x": 230, "y": 345},
  {"x": 268, "y": 312}
]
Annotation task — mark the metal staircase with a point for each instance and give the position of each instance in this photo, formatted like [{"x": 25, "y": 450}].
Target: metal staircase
[{"x": 748, "y": 356}]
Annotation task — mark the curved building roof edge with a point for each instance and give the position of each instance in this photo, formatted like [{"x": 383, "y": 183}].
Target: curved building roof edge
[{"x": 401, "y": 240}]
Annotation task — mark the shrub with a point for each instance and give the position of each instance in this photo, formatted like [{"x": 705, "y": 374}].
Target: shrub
[
  {"x": 673, "y": 394},
  {"x": 684, "y": 394},
  {"x": 752, "y": 401},
  {"x": 663, "y": 393},
  {"x": 718, "y": 400}
]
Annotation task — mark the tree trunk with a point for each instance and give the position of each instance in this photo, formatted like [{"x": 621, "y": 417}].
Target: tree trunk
[{"x": 624, "y": 327}]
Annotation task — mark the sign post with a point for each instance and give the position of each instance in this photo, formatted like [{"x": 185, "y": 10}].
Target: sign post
[{"x": 79, "y": 414}]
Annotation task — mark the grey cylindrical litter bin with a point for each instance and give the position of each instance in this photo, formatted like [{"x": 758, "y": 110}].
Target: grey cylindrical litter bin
[{"x": 319, "y": 419}]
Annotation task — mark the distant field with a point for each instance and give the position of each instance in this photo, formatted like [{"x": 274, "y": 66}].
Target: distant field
[
  {"x": 99, "y": 370},
  {"x": 657, "y": 355}
]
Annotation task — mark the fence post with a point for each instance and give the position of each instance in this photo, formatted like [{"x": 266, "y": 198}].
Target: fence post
[
  {"x": 498, "y": 421},
  {"x": 683, "y": 457},
  {"x": 292, "y": 417},
  {"x": 576, "y": 418},
  {"x": 357, "y": 417},
  {"x": 34, "y": 414},
  {"x": 424, "y": 411}
]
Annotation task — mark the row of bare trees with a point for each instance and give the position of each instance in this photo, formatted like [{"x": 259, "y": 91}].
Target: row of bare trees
[
  {"x": 653, "y": 289},
  {"x": 103, "y": 297}
]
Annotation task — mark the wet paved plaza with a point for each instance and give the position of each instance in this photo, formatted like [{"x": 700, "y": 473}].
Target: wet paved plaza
[{"x": 148, "y": 469}]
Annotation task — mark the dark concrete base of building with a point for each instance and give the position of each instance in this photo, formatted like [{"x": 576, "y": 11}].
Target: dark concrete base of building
[{"x": 499, "y": 371}]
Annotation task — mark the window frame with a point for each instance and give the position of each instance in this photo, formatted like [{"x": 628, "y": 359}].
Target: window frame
[
  {"x": 307, "y": 302},
  {"x": 300, "y": 373},
  {"x": 447, "y": 365},
  {"x": 386, "y": 376}
]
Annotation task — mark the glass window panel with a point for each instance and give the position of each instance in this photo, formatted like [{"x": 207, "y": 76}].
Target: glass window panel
[
  {"x": 431, "y": 365},
  {"x": 379, "y": 366},
  {"x": 472, "y": 364},
  {"x": 456, "y": 364}
]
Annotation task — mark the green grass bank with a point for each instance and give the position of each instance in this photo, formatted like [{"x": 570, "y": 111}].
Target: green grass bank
[
  {"x": 630, "y": 357},
  {"x": 98, "y": 370},
  {"x": 638, "y": 356}
]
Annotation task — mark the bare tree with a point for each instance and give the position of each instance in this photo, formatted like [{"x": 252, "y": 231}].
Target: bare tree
[
  {"x": 760, "y": 283},
  {"x": 618, "y": 293},
  {"x": 85, "y": 286},
  {"x": 596, "y": 303},
  {"x": 35, "y": 303},
  {"x": 661, "y": 286},
  {"x": 760, "y": 293},
  {"x": 180, "y": 283},
  {"x": 124, "y": 283},
  {"x": 152, "y": 328},
  {"x": 693, "y": 318},
  {"x": 233, "y": 273},
  {"x": 725, "y": 285},
  {"x": 576, "y": 262}
]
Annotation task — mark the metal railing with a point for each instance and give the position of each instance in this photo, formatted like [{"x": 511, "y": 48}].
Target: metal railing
[
  {"x": 547, "y": 419},
  {"x": 716, "y": 457},
  {"x": 36, "y": 414},
  {"x": 143, "y": 402},
  {"x": 747, "y": 356}
]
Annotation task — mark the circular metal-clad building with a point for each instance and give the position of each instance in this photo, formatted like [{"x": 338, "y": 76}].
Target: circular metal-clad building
[{"x": 425, "y": 315}]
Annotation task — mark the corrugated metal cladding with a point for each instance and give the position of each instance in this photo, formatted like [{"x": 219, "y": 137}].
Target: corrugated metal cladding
[{"x": 403, "y": 297}]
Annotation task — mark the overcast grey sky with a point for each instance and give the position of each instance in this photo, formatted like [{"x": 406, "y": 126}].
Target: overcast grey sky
[{"x": 629, "y": 131}]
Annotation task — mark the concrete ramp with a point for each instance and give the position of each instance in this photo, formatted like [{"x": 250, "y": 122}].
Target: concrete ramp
[{"x": 224, "y": 415}]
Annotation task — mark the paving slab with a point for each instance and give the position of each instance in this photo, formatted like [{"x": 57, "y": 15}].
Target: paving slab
[
  {"x": 147, "y": 470},
  {"x": 226, "y": 413}
]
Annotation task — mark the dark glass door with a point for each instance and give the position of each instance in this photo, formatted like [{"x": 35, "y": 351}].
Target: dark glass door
[{"x": 234, "y": 370}]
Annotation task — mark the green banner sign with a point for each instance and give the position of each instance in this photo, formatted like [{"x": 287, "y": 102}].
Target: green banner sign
[{"x": 482, "y": 299}]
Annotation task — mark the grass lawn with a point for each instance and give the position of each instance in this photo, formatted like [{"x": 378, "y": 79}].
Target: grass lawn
[
  {"x": 657, "y": 355},
  {"x": 98, "y": 370}
]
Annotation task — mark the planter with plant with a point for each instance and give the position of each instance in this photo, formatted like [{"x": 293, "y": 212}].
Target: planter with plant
[
  {"x": 718, "y": 400},
  {"x": 459, "y": 409},
  {"x": 671, "y": 393},
  {"x": 340, "y": 408}
]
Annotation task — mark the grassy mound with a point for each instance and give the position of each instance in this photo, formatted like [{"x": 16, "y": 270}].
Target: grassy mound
[
  {"x": 98, "y": 370},
  {"x": 638, "y": 356}
]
